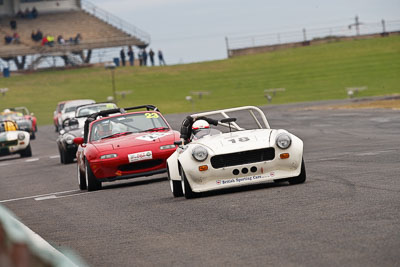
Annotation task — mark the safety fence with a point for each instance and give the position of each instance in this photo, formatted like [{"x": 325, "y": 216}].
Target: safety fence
[
  {"x": 115, "y": 21},
  {"x": 305, "y": 35}
]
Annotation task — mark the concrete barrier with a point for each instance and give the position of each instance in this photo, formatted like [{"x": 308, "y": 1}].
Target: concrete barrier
[{"x": 20, "y": 246}]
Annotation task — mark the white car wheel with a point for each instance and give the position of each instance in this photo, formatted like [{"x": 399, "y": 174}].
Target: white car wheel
[
  {"x": 183, "y": 186},
  {"x": 186, "y": 189},
  {"x": 176, "y": 188}
]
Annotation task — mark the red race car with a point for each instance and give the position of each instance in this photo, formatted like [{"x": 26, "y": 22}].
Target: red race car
[
  {"x": 123, "y": 145},
  {"x": 57, "y": 114}
]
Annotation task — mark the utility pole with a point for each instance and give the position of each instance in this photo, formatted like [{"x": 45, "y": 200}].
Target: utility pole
[
  {"x": 357, "y": 24},
  {"x": 304, "y": 35},
  {"x": 383, "y": 27},
  {"x": 227, "y": 47}
]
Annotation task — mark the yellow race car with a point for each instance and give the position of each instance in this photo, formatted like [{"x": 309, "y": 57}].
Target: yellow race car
[{"x": 12, "y": 140}]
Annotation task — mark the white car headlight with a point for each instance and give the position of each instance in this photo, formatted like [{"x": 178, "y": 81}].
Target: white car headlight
[
  {"x": 199, "y": 153},
  {"x": 109, "y": 156},
  {"x": 69, "y": 139},
  {"x": 21, "y": 136},
  {"x": 283, "y": 141}
]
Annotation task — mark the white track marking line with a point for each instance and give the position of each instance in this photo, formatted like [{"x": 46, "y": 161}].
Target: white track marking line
[
  {"x": 22, "y": 198},
  {"x": 4, "y": 164},
  {"x": 54, "y": 157},
  {"x": 55, "y": 197},
  {"x": 46, "y": 197},
  {"x": 31, "y": 160},
  {"x": 357, "y": 154}
]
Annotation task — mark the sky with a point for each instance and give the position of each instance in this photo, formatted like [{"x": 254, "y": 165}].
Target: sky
[{"x": 195, "y": 30}]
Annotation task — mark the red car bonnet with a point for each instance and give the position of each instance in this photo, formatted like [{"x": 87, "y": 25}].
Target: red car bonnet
[{"x": 136, "y": 139}]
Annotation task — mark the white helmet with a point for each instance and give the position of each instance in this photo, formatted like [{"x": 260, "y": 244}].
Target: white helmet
[{"x": 199, "y": 125}]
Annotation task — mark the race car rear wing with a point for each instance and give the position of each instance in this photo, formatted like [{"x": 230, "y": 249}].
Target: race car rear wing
[
  {"x": 106, "y": 113},
  {"x": 224, "y": 112},
  {"x": 148, "y": 107},
  {"x": 227, "y": 121}
]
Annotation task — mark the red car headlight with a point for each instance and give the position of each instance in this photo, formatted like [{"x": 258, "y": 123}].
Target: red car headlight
[{"x": 109, "y": 156}]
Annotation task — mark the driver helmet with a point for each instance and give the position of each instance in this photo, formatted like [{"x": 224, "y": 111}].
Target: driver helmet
[
  {"x": 104, "y": 128},
  {"x": 200, "y": 125}
]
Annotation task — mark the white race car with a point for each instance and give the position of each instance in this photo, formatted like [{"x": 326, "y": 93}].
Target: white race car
[
  {"x": 13, "y": 141},
  {"x": 211, "y": 159}
]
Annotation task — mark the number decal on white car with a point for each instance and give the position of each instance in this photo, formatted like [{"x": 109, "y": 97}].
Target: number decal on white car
[{"x": 241, "y": 139}]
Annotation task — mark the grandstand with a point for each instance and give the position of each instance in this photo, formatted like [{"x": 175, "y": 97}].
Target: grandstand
[{"x": 98, "y": 29}]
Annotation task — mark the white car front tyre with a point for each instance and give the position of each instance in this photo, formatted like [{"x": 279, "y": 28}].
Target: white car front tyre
[{"x": 186, "y": 189}]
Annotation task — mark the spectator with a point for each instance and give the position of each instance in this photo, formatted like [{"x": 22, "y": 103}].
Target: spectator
[
  {"x": 50, "y": 40},
  {"x": 13, "y": 24},
  {"x": 131, "y": 56},
  {"x": 151, "y": 54},
  {"x": 60, "y": 40},
  {"x": 26, "y": 13},
  {"x": 34, "y": 13},
  {"x": 140, "y": 58},
  {"x": 144, "y": 55},
  {"x": 122, "y": 54},
  {"x": 161, "y": 58},
  {"x": 44, "y": 40},
  {"x": 16, "y": 38},
  {"x": 20, "y": 14},
  {"x": 8, "y": 39},
  {"x": 77, "y": 38},
  {"x": 37, "y": 36}
]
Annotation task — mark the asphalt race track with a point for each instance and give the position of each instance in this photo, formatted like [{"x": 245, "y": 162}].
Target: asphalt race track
[{"x": 346, "y": 214}]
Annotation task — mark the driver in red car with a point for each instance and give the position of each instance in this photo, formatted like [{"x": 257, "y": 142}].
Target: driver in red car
[{"x": 104, "y": 129}]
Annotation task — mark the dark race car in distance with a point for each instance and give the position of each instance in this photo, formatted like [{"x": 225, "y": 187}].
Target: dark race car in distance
[
  {"x": 123, "y": 146},
  {"x": 73, "y": 127}
]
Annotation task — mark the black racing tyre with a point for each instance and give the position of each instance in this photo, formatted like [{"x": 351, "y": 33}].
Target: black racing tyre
[
  {"x": 92, "y": 183},
  {"x": 27, "y": 152},
  {"x": 81, "y": 178},
  {"x": 62, "y": 157},
  {"x": 186, "y": 189},
  {"x": 302, "y": 176},
  {"x": 68, "y": 157},
  {"x": 176, "y": 187}
]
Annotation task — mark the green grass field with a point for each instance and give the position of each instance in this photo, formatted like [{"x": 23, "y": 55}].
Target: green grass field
[{"x": 320, "y": 72}]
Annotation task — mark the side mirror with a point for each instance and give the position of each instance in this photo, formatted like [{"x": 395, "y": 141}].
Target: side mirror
[
  {"x": 228, "y": 120},
  {"x": 78, "y": 140},
  {"x": 178, "y": 143}
]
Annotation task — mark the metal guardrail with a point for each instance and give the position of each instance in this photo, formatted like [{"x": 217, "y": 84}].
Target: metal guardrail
[{"x": 115, "y": 21}]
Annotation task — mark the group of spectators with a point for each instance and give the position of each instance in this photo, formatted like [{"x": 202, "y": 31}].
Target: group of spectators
[
  {"x": 28, "y": 14},
  {"x": 15, "y": 38},
  {"x": 12, "y": 39},
  {"x": 49, "y": 40},
  {"x": 37, "y": 36},
  {"x": 142, "y": 55}
]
